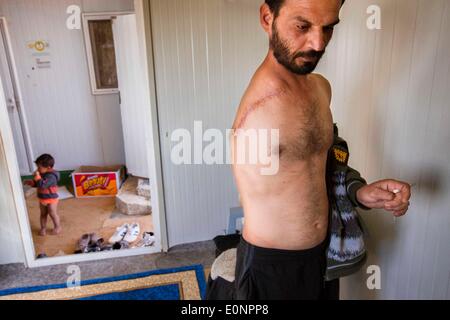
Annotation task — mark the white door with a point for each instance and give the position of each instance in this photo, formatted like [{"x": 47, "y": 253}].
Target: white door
[
  {"x": 133, "y": 87},
  {"x": 13, "y": 103}
]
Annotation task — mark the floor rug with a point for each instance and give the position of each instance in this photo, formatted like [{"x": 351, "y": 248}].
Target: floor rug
[{"x": 187, "y": 283}]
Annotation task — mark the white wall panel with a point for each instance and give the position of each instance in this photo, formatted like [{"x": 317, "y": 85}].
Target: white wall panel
[
  {"x": 12, "y": 250},
  {"x": 391, "y": 99}
]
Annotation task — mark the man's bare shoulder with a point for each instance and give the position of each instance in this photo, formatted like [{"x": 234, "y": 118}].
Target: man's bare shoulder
[
  {"x": 323, "y": 83},
  {"x": 262, "y": 96}
]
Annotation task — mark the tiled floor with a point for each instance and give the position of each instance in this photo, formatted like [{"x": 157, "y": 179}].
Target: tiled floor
[{"x": 16, "y": 276}]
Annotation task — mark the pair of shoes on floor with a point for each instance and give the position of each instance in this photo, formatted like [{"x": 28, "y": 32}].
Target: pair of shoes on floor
[
  {"x": 90, "y": 242},
  {"x": 126, "y": 232},
  {"x": 148, "y": 240},
  {"x": 121, "y": 245}
]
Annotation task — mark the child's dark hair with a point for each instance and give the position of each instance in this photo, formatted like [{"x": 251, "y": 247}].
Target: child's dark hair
[
  {"x": 275, "y": 6},
  {"x": 45, "y": 161}
]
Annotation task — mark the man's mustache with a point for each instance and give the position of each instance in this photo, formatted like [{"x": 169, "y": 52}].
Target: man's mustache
[{"x": 309, "y": 54}]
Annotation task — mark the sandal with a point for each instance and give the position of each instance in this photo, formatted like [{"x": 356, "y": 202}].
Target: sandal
[{"x": 83, "y": 243}]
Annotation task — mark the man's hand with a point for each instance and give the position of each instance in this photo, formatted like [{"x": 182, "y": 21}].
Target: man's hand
[{"x": 390, "y": 195}]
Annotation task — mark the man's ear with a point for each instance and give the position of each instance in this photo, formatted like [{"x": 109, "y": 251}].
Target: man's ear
[{"x": 266, "y": 18}]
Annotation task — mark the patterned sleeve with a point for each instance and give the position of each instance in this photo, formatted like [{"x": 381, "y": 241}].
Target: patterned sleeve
[{"x": 354, "y": 182}]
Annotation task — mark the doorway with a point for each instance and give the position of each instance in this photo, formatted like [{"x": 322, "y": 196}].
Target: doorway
[{"x": 143, "y": 176}]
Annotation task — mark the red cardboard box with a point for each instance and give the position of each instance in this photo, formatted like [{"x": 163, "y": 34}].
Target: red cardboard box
[{"x": 91, "y": 182}]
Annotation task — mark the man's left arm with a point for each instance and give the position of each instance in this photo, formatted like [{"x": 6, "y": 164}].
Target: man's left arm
[
  {"x": 354, "y": 182},
  {"x": 390, "y": 195}
]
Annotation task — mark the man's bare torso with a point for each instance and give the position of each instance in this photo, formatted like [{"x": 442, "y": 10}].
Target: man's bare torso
[{"x": 288, "y": 210}]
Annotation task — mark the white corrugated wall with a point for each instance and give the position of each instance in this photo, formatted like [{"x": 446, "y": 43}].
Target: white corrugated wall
[
  {"x": 12, "y": 250},
  {"x": 391, "y": 100}
]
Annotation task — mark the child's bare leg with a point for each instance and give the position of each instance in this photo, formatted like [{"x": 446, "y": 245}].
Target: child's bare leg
[
  {"x": 53, "y": 212},
  {"x": 44, "y": 216}
]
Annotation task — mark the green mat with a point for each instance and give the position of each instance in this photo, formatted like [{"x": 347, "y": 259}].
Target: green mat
[{"x": 65, "y": 181}]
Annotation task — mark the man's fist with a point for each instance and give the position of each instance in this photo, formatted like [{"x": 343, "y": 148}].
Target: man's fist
[{"x": 390, "y": 195}]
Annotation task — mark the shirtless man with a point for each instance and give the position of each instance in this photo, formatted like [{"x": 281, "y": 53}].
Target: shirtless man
[{"x": 282, "y": 253}]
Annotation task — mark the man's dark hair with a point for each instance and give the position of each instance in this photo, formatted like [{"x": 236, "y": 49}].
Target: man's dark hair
[
  {"x": 275, "y": 6},
  {"x": 45, "y": 161}
]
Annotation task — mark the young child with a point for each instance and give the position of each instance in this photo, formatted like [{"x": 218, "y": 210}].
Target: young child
[{"x": 46, "y": 181}]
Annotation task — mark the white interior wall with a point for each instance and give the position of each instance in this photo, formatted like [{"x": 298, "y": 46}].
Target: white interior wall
[
  {"x": 391, "y": 92},
  {"x": 63, "y": 117},
  {"x": 12, "y": 250},
  {"x": 391, "y": 99}
]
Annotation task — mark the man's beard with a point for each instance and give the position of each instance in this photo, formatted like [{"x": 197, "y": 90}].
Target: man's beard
[{"x": 287, "y": 59}]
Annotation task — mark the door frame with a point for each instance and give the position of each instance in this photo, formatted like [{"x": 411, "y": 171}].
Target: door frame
[
  {"x": 142, "y": 11},
  {"x": 156, "y": 169},
  {"x": 17, "y": 91}
]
